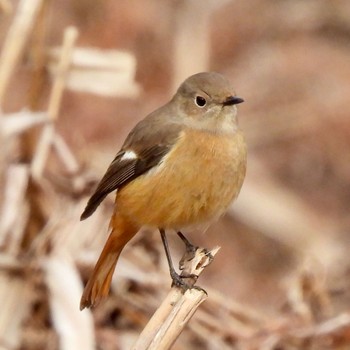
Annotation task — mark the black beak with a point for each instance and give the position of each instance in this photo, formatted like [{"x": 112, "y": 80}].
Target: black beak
[{"x": 232, "y": 100}]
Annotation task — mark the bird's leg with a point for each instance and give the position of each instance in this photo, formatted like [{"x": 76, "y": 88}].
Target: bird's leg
[
  {"x": 190, "y": 254},
  {"x": 177, "y": 279},
  {"x": 190, "y": 248}
]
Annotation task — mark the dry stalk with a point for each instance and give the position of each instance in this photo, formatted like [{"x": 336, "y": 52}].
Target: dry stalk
[
  {"x": 12, "y": 224},
  {"x": 11, "y": 51},
  {"x": 47, "y": 135},
  {"x": 15, "y": 41},
  {"x": 177, "y": 308},
  {"x": 75, "y": 328},
  {"x": 332, "y": 327},
  {"x": 112, "y": 71},
  {"x": 14, "y": 289},
  {"x": 70, "y": 36},
  {"x": 16, "y": 123}
]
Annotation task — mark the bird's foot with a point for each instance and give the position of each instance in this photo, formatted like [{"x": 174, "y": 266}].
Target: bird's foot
[{"x": 179, "y": 281}]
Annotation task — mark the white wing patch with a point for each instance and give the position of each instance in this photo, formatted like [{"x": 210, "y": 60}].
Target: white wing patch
[{"x": 128, "y": 155}]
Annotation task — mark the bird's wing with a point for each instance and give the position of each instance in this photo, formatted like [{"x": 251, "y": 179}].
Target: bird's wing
[{"x": 146, "y": 152}]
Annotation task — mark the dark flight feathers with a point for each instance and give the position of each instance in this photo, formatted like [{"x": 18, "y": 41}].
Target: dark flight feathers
[{"x": 120, "y": 172}]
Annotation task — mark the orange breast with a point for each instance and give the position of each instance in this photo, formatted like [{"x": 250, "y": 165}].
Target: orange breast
[{"x": 194, "y": 184}]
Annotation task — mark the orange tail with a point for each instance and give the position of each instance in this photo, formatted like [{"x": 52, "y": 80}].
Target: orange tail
[{"x": 99, "y": 282}]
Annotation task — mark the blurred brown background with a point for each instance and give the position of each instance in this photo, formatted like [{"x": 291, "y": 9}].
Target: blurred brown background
[{"x": 284, "y": 243}]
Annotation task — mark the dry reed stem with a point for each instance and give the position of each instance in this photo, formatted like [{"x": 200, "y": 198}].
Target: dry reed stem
[
  {"x": 47, "y": 135},
  {"x": 15, "y": 297},
  {"x": 70, "y": 37},
  {"x": 15, "y": 123},
  {"x": 15, "y": 41},
  {"x": 75, "y": 328},
  {"x": 12, "y": 48},
  {"x": 65, "y": 154},
  {"x": 177, "y": 308},
  {"x": 12, "y": 224},
  {"x": 112, "y": 71},
  {"x": 14, "y": 290}
]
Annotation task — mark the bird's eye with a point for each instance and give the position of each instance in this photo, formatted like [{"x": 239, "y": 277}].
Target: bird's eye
[{"x": 200, "y": 101}]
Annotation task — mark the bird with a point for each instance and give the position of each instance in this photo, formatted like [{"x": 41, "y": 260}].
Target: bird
[{"x": 178, "y": 169}]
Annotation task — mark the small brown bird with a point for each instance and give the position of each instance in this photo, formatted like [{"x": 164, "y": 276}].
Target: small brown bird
[{"x": 180, "y": 167}]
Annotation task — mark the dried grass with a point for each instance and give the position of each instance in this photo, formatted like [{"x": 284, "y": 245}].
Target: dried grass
[{"x": 46, "y": 253}]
